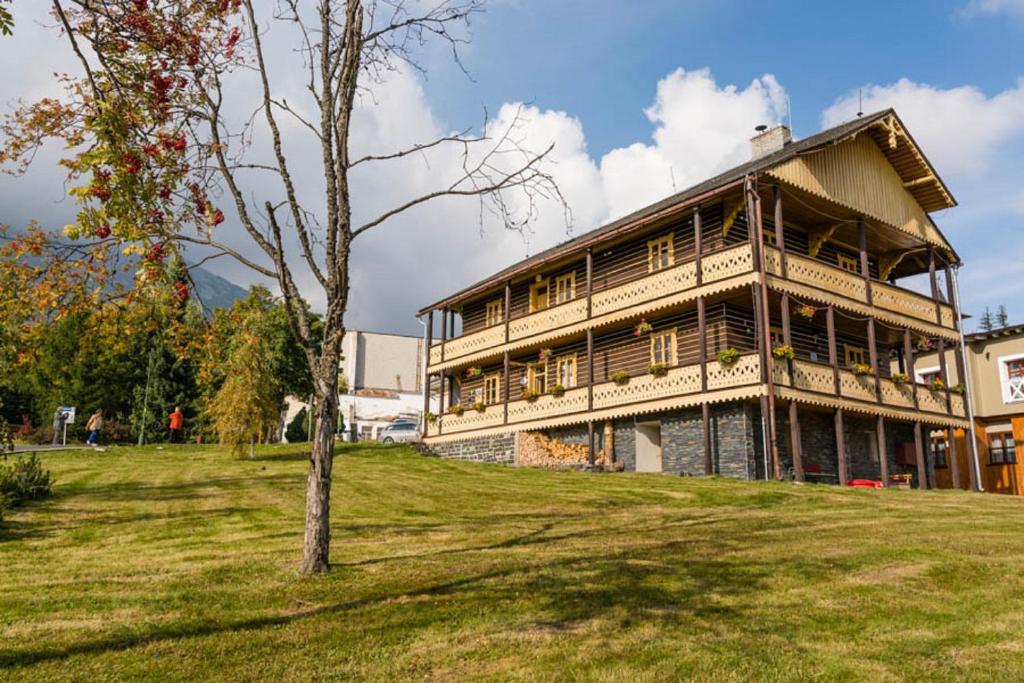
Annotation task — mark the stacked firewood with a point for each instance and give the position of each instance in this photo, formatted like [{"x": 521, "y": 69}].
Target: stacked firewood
[{"x": 540, "y": 450}]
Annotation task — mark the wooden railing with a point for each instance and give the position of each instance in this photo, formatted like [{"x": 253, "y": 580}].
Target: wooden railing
[
  {"x": 835, "y": 280},
  {"x": 715, "y": 266},
  {"x": 818, "y": 378}
]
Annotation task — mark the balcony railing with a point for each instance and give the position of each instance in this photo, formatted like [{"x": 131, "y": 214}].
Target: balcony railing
[
  {"x": 818, "y": 378},
  {"x": 852, "y": 286},
  {"x": 680, "y": 381},
  {"x": 715, "y": 267}
]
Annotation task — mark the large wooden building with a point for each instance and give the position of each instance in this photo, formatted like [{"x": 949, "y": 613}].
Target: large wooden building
[{"x": 662, "y": 341}]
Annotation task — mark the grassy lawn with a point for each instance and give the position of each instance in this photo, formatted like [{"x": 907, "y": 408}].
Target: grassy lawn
[{"x": 180, "y": 564}]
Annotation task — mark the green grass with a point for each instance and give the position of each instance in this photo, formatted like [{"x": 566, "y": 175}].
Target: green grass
[{"x": 180, "y": 564}]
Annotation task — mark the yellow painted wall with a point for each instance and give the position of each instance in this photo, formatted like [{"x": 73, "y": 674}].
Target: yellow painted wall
[{"x": 995, "y": 478}]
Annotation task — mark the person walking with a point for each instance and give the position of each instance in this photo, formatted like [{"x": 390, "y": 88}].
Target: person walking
[
  {"x": 93, "y": 426},
  {"x": 177, "y": 423},
  {"x": 59, "y": 418}
]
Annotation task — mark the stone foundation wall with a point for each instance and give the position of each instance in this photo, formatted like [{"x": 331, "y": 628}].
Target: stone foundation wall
[{"x": 497, "y": 448}]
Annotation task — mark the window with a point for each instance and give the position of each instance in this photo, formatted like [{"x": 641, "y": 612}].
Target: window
[
  {"x": 537, "y": 377},
  {"x": 565, "y": 371},
  {"x": 769, "y": 236},
  {"x": 539, "y": 296},
  {"x": 1001, "y": 449},
  {"x": 495, "y": 312},
  {"x": 659, "y": 253},
  {"x": 663, "y": 347},
  {"x": 848, "y": 263},
  {"x": 492, "y": 390},
  {"x": 939, "y": 452},
  {"x": 1011, "y": 376},
  {"x": 928, "y": 375},
  {"x": 565, "y": 288},
  {"x": 853, "y": 355}
]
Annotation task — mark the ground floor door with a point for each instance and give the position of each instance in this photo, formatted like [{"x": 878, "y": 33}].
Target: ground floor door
[{"x": 648, "y": 447}]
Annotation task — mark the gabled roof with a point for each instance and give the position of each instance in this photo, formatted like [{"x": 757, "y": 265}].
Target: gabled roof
[{"x": 885, "y": 127}]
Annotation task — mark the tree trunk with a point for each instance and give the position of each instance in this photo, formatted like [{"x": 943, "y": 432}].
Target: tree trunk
[{"x": 317, "y": 545}]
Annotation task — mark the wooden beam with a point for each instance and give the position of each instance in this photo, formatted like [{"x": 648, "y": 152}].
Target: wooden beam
[
  {"x": 817, "y": 239},
  {"x": 883, "y": 450},
  {"x": 873, "y": 359},
  {"x": 702, "y": 343},
  {"x": 935, "y": 285},
  {"x": 865, "y": 268},
  {"x": 444, "y": 330},
  {"x": 888, "y": 262},
  {"x": 730, "y": 218},
  {"x": 922, "y": 470},
  {"x": 944, "y": 372},
  {"x": 590, "y": 368},
  {"x": 953, "y": 457},
  {"x": 709, "y": 464},
  {"x": 590, "y": 442},
  {"x": 698, "y": 244},
  {"x": 590, "y": 281},
  {"x": 508, "y": 307},
  {"x": 844, "y": 472},
  {"x": 919, "y": 181},
  {"x": 833, "y": 353},
  {"x": 780, "y": 236},
  {"x": 908, "y": 355},
  {"x": 440, "y": 404},
  {"x": 794, "y": 442}
]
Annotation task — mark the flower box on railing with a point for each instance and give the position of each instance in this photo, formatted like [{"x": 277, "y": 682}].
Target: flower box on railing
[
  {"x": 620, "y": 378},
  {"x": 728, "y": 356},
  {"x": 657, "y": 369}
]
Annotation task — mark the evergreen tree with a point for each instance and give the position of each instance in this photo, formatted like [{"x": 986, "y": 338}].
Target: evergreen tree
[
  {"x": 296, "y": 431},
  {"x": 986, "y": 324},
  {"x": 1002, "y": 319}
]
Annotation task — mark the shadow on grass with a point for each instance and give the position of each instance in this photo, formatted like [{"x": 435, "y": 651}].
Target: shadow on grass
[{"x": 657, "y": 583}]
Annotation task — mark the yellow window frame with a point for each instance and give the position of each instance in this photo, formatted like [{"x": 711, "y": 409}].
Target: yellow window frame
[
  {"x": 565, "y": 288},
  {"x": 537, "y": 377},
  {"x": 660, "y": 253},
  {"x": 854, "y": 355},
  {"x": 538, "y": 302},
  {"x": 492, "y": 388},
  {"x": 570, "y": 360},
  {"x": 848, "y": 263},
  {"x": 495, "y": 312},
  {"x": 666, "y": 339}
]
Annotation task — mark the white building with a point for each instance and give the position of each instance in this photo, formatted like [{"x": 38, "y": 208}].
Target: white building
[{"x": 382, "y": 380}]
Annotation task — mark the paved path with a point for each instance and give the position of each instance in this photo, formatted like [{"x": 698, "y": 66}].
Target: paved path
[{"x": 29, "y": 448}]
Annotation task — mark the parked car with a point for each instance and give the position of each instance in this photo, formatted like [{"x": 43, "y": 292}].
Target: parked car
[{"x": 399, "y": 432}]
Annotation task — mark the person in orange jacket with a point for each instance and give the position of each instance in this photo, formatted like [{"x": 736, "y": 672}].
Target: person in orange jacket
[{"x": 177, "y": 423}]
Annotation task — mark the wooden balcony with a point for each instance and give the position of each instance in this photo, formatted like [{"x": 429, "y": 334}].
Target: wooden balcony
[
  {"x": 818, "y": 378},
  {"x": 715, "y": 267},
  {"x": 639, "y": 390},
  {"x": 834, "y": 281}
]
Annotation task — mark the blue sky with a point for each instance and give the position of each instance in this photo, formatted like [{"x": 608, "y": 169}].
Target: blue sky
[{"x": 635, "y": 97}]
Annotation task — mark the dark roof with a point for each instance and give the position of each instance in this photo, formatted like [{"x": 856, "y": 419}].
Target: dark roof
[
  {"x": 1009, "y": 331},
  {"x": 831, "y": 136}
]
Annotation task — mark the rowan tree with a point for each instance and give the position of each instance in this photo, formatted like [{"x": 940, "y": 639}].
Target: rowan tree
[{"x": 155, "y": 149}]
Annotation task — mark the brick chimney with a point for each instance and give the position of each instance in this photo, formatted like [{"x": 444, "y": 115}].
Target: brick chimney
[{"x": 769, "y": 140}]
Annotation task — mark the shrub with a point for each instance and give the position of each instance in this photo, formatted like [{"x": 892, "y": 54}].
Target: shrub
[
  {"x": 430, "y": 417},
  {"x": 23, "y": 480},
  {"x": 728, "y": 356},
  {"x": 296, "y": 432}
]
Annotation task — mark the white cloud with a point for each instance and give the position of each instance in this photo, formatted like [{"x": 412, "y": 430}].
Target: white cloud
[
  {"x": 976, "y": 7},
  {"x": 960, "y": 129},
  {"x": 700, "y": 128}
]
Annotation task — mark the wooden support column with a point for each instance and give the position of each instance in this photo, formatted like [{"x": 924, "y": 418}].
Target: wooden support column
[
  {"x": 833, "y": 352},
  {"x": 908, "y": 362},
  {"x": 953, "y": 456},
  {"x": 505, "y": 380},
  {"x": 865, "y": 268},
  {"x": 768, "y": 400},
  {"x": 426, "y": 371},
  {"x": 756, "y": 233},
  {"x": 590, "y": 442},
  {"x": 883, "y": 450},
  {"x": 844, "y": 472},
  {"x": 780, "y": 238},
  {"x": 444, "y": 330},
  {"x": 698, "y": 244},
  {"x": 590, "y": 368},
  {"x": 702, "y": 359},
  {"x": 943, "y": 373},
  {"x": 508, "y": 306},
  {"x": 922, "y": 469},
  {"x": 794, "y": 415},
  {"x": 440, "y": 403},
  {"x": 590, "y": 281},
  {"x": 873, "y": 356},
  {"x": 935, "y": 285}
]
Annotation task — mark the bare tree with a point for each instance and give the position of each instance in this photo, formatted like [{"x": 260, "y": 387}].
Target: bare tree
[{"x": 349, "y": 47}]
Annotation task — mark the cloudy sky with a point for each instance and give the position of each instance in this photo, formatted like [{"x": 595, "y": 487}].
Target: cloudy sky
[{"x": 637, "y": 99}]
